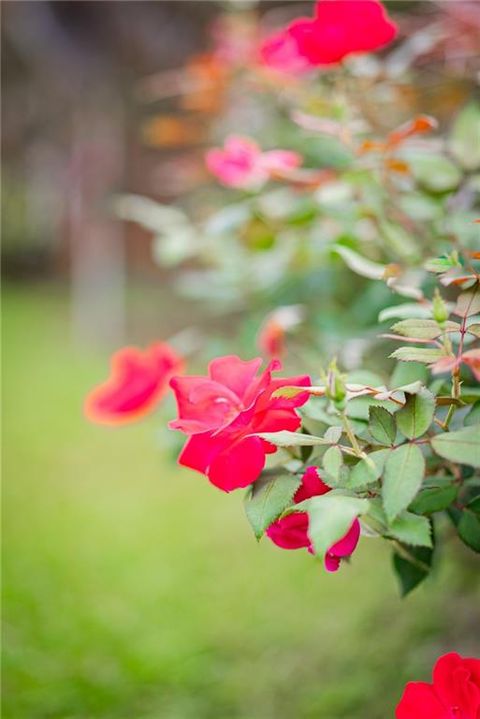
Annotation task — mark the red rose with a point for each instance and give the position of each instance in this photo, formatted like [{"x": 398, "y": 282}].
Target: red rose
[
  {"x": 291, "y": 532},
  {"x": 339, "y": 28},
  {"x": 223, "y": 411},
  {"x": 139, "y": 379},
  {"x": 454, "y": 693}
]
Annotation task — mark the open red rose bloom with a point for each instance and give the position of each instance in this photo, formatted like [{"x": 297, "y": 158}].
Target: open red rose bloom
[
  {"x": 291, "y": 532},
  {"x": 221, "y": 414},
  {"x": 139, "y": 380},
  {"x": 339, "y": 28},
  {"x": 454, "y": 693}
]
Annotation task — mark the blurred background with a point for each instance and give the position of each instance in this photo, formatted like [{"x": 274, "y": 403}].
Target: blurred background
[{"x": 133, "y": 588}]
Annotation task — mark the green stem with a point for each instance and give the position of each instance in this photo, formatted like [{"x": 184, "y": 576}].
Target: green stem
[
  {"x": 400, "y": 549},
  {"x": 351, "y": 436}
]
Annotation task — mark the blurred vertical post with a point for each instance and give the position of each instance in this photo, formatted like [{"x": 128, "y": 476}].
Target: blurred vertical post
[{"x": 97, "y": 252}]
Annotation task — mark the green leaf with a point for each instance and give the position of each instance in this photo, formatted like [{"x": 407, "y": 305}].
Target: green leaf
[
  {"x": 464, "y": 141},
  {"x": 424, "y": 329},
  {"x": 404, "y": 470},
  {"x": 407, "y": 372},
  {"x": 468, "y": 302},
  {"x": 288, "y": 391},
  {"x": 359, "y": 264},
  {"x": 473, "y": 417},
  {"x": 330, "y": 516},
  {"x": 333, "y": 434},
  {"x": 407, "y": 310},
  {"x": 417, "y": 354},
  {"x": 363, "y": 473},
  {"x": 434, "y": 172},
  {"x": 416, "y": 415},
  {"x": 474, "y": 504},
  {"x": 332, "y": 463},
  {"x": 292, "y": 439},
  {"x": 411, "y": 529},
  {"x": 267, "y": 499},
  {"x": 441, "y": 264},
  {"x": 469, "y": 530},
  {"x": 412, "y": 566},
  {"x": 434, "y": 499},
  {"x": 379, "y": 457},
  {"x": 462, "y": 446},
  {"x": 474, "y": 329},
  {"x": 382, "y": 425}
]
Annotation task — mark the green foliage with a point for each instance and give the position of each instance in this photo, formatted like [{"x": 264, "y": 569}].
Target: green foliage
[
  {"x": 468, "y": 528},
  {"x": 382, "y": 425},
  {"x": 424, "y": 329},
  {"x": 435, "y": 496},
  {"x": 330, "y": 517},
  {"x": 361, "y": 427},
  {"x": 468, "y": 302},
  {"x": 365, "y": 472},
  {"x": 293, "y": 439},
  {"x": 416, "y": 416},
  {"x": 412, "y": 566},
  {"x": 434, "y": 172},
  {"x": 462, "y": 446},
  {"x": 404, "y": 471},
  {"x": 267, "y": 498},
  {"x": 464, "y": 141},
  {"x": 332, "y": 463},
  {"x": 411, "y": 529},
  {"x": 417, "y": 354}
]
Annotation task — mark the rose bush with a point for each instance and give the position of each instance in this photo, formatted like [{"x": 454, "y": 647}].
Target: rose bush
[
  {"x": 395, "y": 447},
  {"x": 377, "y": 224}
]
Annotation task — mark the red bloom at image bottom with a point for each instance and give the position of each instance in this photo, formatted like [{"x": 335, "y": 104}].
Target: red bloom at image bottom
[
  {"x": 138, "y": 381},
  {"x": 291, "y": 532},
  {"x": 453, "y": 694},
  {"x": 222, "y": 412}
]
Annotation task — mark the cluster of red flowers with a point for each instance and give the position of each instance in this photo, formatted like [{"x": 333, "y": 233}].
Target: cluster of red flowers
[{"x": 222, "y": 414}]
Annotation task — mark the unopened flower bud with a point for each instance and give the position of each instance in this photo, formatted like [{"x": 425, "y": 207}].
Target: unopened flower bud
[{"x": 440, "y": 311}]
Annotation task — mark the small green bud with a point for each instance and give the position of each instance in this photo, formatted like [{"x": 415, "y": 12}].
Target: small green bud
[
  {"x": 440, "y": 311},
  {"x": 335, "y": 389}
]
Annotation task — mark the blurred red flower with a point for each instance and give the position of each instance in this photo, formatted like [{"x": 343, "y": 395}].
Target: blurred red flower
[
  {"x": 454, "y": 693},
  {"x": 339, "y": 28},
  {"x": 138, "y": 381},
  {"x": 271, "y": 339},
  {"x": 291, "y": 532},
  {"x": 241, "y": 163},
  {"x": 223, "y": 412}
]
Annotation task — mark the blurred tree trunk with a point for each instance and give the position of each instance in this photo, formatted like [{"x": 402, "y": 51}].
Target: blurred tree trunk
[{"x": 97, "y": 254}]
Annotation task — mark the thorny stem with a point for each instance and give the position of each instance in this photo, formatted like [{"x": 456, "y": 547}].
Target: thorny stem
[
  {"x": 456, "y": 384},
  {"x": 400, "y": 549}
]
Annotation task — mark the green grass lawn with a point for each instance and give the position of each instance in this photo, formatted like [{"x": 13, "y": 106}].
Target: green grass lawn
[{"x": 133, "y": 589}]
